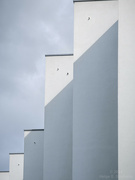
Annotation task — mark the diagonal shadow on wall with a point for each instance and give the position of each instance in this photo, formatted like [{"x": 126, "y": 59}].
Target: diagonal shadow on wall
[
  {"x": 89, "y": 105},
  {"x": 33, "y": 155},
  {"x": 95, "y": 104},
  {"x": 58, "y": 136}
]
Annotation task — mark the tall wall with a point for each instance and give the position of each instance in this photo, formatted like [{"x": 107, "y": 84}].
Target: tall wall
[
  {"x": 126, "y": 89},
  {"x": 4, "y": 175},
  {"x": 58, "y": 118},
  {"x": 33, "y": 154},
  {"x": 95, "y": 121},
  {"x": 16, "y": 163},
  {"x": 91, "y": 20}
]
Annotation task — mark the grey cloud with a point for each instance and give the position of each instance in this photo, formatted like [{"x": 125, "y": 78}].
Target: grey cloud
[{"x": 28, "y": 30}]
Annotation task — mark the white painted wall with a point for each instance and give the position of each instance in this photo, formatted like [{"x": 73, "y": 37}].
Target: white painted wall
[
  {"x": 4, "y": 175},
  {"x": 95, "y": 118},
  {"x": 33, "y": 154},
  {"x": 126, "y": 89},
  {"x": 56, "y": 78},
  {"x": 16, "y": 166},
  {"x": 58, "y": 118},
  {"x": 102, "y": 14}
]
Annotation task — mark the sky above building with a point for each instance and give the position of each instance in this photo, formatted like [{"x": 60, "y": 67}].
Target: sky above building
[{"x": 28, "y": 30}]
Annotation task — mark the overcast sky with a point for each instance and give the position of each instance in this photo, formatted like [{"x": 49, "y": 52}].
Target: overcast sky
[{"x": 28, "y": 30}]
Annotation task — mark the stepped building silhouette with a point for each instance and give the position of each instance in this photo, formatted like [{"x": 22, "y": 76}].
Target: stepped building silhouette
[{"x": 89, "y": 102}]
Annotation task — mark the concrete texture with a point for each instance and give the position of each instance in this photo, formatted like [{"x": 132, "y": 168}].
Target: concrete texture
[
  {"x": 58, "y": 118},
  {"x": 91, "y": 20},
  {"x": 16, "y": 163},
  {"x": 126, "y": 89},
  {"x": 4, "y": 175},
  {"x": 33, "y": 154},
  {"x": 95, "y": 121}
]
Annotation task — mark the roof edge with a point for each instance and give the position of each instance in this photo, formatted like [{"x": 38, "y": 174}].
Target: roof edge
[
  {"x": 33, "y": 129},
  {"x": 91, "y": 0},
  {"x": 15, "y": 153},
  {"x": 49, "y": 55},
  {"x": 4, "y": 171}
]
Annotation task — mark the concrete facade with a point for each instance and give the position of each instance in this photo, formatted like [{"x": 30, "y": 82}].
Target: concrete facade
[
  {"x": 16, "y": 163},
  {"x": 89, "y": 102},
  {"x": 126, "y": 89},
  {"x": 4, "y": 175},
  {"x": 58, "y": 117},
  {"x": 91, "y": 20},
  {"x": 33, "y": 154},
  {"x": 95, "y": 116}
]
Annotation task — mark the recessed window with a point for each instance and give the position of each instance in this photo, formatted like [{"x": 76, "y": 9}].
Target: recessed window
[
  {"x": 34, "y": 142},
  {"x": 57, "y": 69},
  {"x": 89, "y": 18},
  {"x": 67, "y": 73}
]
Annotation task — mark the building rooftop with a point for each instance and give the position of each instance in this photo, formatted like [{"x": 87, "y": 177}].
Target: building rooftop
[
  {"x": 15, "y": 153},
  {"x": 58, "y": 55},
  {"x": 34, "y": 130}
]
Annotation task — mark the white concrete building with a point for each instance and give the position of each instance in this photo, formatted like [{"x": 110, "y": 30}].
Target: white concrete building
[
  {"x": 33, "y": 154},
  {"x": 58, "y": 117},
  {"x": 4, "y": 175},
  {"x": 126, "y": 89},
  {"x": 30, "y": 165},
  {"x": 95, "y": 92},
  {"x": 89, "y": 102},
  {"x": 16, "y": 163}
]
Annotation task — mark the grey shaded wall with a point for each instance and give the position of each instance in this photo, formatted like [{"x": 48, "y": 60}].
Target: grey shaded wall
[
  {"x": 58, "y": 119},
  {"x": 33, "y": 154},
  {"x": 95, "y": 121}
]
